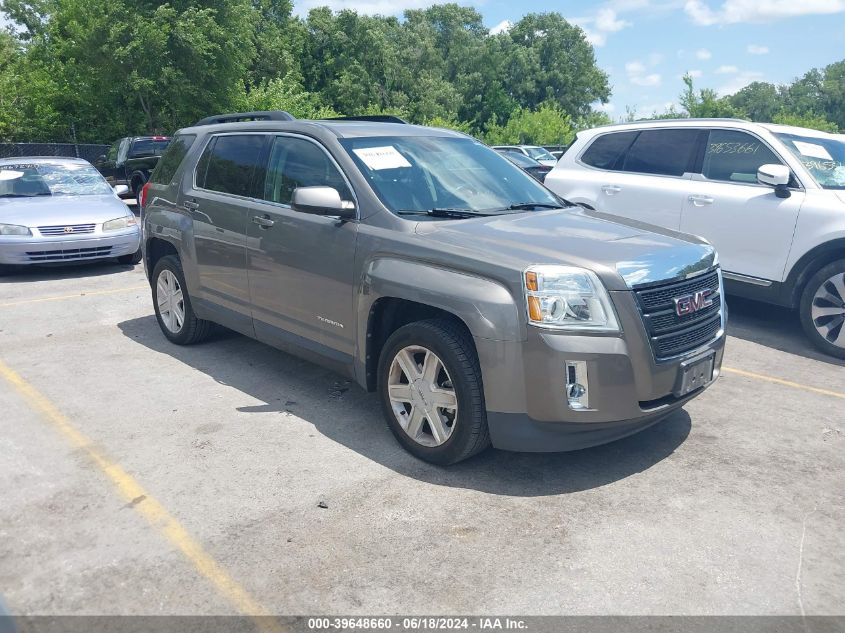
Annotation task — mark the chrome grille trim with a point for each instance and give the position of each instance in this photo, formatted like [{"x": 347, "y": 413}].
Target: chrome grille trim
[
  {"x": 671, "y": 335},
  {"x": 60, "y": 229}
]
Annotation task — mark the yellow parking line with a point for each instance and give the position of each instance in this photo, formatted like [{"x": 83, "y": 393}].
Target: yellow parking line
[
  {"x": 144, "y": 503},
  {"x": 781, "y": 381},
  {"x": 76, "y": 296}
]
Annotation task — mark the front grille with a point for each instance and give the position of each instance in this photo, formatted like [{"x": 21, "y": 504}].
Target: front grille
[
  {"x": 670, "y": 334},
  {"x": 69, "y": 254},
  {"x": 66, "y": 229}
]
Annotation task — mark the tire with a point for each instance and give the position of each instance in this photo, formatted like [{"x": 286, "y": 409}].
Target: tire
[
  {"x": 191, "y": 330},
  {"x": 463, "y": 428},
  {"x": 822, "y": 309},
  {"x": 136, "y": 186},
  {"x": 131, "y": 260}
]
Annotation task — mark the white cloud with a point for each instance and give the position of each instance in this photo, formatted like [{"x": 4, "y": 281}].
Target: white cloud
[
  {"x": 727, "y": 70},
  {"x": 739, "y": 81},
  {"x": 755, "y": 49},
  {"x": 738, "y": 11},
  {"x": 639, "y": 76},
  {"x": 695, "y": 74},
  {"x": 598, "y": 26},
  {"x": 502, "y": 27},
  {"x": 703, "y": 53}
]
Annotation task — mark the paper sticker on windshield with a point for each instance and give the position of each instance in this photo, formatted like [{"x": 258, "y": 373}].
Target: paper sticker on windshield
[
  {"x": 381, "y": 157},
  {"x": 812, "y": 150},
  {"x": 8, "y": 174}
]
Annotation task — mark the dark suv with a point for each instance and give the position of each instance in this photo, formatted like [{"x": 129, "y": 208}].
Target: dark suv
[
  {"x": 130, "y": 161},
  {"x": 422, "y": 264}
]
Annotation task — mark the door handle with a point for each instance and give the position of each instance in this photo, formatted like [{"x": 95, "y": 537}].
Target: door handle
[
  {"x": 611, "y": 190},
  {"x": 700, "y": 201},
  {"x": 263, "y": 221},
  {"x": 191, "y": 205}
]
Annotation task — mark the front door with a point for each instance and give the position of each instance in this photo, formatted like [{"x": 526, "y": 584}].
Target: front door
[
  {"x": 220, "y": 198},
  {"x": 301, "y": 272},
  {"x": 749, "y": 225}
]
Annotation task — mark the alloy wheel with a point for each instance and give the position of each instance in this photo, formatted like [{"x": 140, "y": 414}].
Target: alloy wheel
[
  {"x": 422, "y": 396},
  {"x": 171, "y": 301},
  {"x": 827, "y": 310}
]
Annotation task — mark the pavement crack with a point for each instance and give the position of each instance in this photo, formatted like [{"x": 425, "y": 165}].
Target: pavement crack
[{"x": 798, "y": 586}]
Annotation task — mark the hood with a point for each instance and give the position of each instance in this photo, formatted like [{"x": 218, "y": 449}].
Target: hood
[
  {"x": 624, "y": 253},
  {"x": 52, "y": 210}
]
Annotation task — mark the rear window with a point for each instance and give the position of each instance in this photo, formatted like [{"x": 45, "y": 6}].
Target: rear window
[
  {"x": 229, "y": 164},
  {"x": 662, "y": 152},
  {"x": 606, "y": 150},
  {"x": 149, "y": 147},
  {"x": 172, "y": 158}
]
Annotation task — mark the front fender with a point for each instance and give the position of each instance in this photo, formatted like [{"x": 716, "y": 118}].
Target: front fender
[{"x": 486, "y": 307}]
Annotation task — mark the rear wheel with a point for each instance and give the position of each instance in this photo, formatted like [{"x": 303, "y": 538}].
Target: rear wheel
[
  {"x": 823, "y": 309},
  {"x": 174, "y": 313},
  {"x": 431, "y": 391}
]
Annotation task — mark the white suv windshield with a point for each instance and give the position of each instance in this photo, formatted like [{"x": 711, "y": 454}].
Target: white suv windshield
[
  {"x": 420, "y": 173},
  {"x": 824, "y": 158},
  {"x": 27, "y": 180}
]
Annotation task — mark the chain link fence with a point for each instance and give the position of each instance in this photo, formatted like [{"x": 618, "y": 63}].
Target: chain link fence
[{"x": 89, "y": 152}]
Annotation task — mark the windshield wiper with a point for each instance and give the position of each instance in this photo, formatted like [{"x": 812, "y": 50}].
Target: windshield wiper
[
  {"x": 441, "y": 212},
  {"x": 527, "y": 206}
]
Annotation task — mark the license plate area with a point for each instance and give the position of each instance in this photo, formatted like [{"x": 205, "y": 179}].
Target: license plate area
[{"x": 694, "y": 374}]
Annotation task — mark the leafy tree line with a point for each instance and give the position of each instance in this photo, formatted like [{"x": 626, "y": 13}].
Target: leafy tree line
[
  {"x": 95, "y": 70},
  {"x": 816, "y": 100}
]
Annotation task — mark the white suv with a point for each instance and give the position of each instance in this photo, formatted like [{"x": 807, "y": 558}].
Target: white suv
[{"x": 771, "y": 198}]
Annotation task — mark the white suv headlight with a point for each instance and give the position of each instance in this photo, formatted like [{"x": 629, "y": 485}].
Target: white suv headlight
[
  {"x": 120, "y": 223},
  {"x": 565, "y": 297},
  {"x": 14, "y": 229}
]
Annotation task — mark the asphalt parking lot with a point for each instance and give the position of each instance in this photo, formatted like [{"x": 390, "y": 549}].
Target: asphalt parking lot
[{"x": 143, "y": 478}]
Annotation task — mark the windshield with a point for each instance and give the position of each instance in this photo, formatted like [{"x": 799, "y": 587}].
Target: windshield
[
  {"x": 26, "y": 180},
  {"x": 419, "y": 173},
  {"x": 824, "y": 158},
  {"x": 538, "y": 153},
  {"x": 149, "y": 147}
]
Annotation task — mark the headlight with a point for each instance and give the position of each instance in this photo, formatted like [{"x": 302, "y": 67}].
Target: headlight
[
  {"x": 14, "y": 229},
  {"x": 120, "y": 223},
  {"x": 563, "y": 297}
]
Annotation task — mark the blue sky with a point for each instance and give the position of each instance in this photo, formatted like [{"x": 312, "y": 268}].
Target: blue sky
[{"x": 647, "y": 45}]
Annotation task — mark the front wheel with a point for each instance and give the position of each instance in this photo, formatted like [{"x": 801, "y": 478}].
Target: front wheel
[
  {"x": 174, "y": 313},
  {"x": 132, "y": 259},
  {"x": 431, "y": 391},
  {"x": 823, "y": 309}
]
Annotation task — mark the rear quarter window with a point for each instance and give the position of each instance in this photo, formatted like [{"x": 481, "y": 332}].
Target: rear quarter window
[
  {"x": 174, "y": 155},
  {"x": 607, "y": 149}
]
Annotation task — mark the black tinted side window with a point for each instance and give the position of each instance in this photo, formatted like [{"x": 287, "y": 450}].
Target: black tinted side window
[
  {"x": 606, "y": 150},
  {"x": 662, "y": 152},
  {"x": 735, "y": 156},
  {"x": 231, "y": 164},
  {"x": 174, "y": 155},
  {"x": 295, "y": 162}
]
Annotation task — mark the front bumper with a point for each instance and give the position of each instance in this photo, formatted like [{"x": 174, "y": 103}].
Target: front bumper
[
  {"x": 629, "y": 390},
  {"x": 31, "y": 250}
]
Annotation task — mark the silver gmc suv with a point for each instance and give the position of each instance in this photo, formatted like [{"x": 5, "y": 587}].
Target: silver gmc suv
[{"x": 422, "y": 264}]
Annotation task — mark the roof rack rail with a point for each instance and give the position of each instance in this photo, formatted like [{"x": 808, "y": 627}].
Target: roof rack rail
[
  {"x": 375, "y": 118},
  {"x": 235, "y": 117}
]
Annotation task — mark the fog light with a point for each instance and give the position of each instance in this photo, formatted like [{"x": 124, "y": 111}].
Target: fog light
[{"x": 577, "y": 385}]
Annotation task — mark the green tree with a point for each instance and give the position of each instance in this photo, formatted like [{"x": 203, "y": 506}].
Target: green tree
[
  {"x": 811, "y": 121},
  {"x": 706, "y": 102},
  {"x": 548, "y": 125},
  {"x": 760, "y": 101}
]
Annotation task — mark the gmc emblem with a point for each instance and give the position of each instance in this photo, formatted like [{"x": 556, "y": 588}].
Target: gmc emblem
[{"x": 689, "y": 304}]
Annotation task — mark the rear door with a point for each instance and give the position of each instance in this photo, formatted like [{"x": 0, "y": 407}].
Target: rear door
[
  {"x": 649, "y": 180},
  {"x": 301, "y": 270},
  {"x": 748, "y": 224},
  {"x": 108, "y": 166},
  {"x": 220, "y": 199}
]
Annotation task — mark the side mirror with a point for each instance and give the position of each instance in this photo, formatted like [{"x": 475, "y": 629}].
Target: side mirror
[
  {"x": 121, "y": 189},
  {"x": 101, "y": 158},
  {"x": 776, "y": 176},
  {"x": 321, "y": 201}
]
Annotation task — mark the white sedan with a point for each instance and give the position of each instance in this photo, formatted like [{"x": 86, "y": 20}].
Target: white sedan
[{"x": 56, "y": 210}]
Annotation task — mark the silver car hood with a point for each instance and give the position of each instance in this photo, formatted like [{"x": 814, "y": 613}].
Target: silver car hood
[
  {"x": 623, "y": 252},
  {"x": 54, "y": 210}
]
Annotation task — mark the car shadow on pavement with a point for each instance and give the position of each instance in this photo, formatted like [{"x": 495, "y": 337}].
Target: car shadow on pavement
[
  {"x": 772, "y": 326},
  {"x": 26, "y": 274},
  {"x": 345, "y": 413}
]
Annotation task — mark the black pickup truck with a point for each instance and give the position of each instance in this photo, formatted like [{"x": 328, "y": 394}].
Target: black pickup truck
[{"x": 130, "y": 160}]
